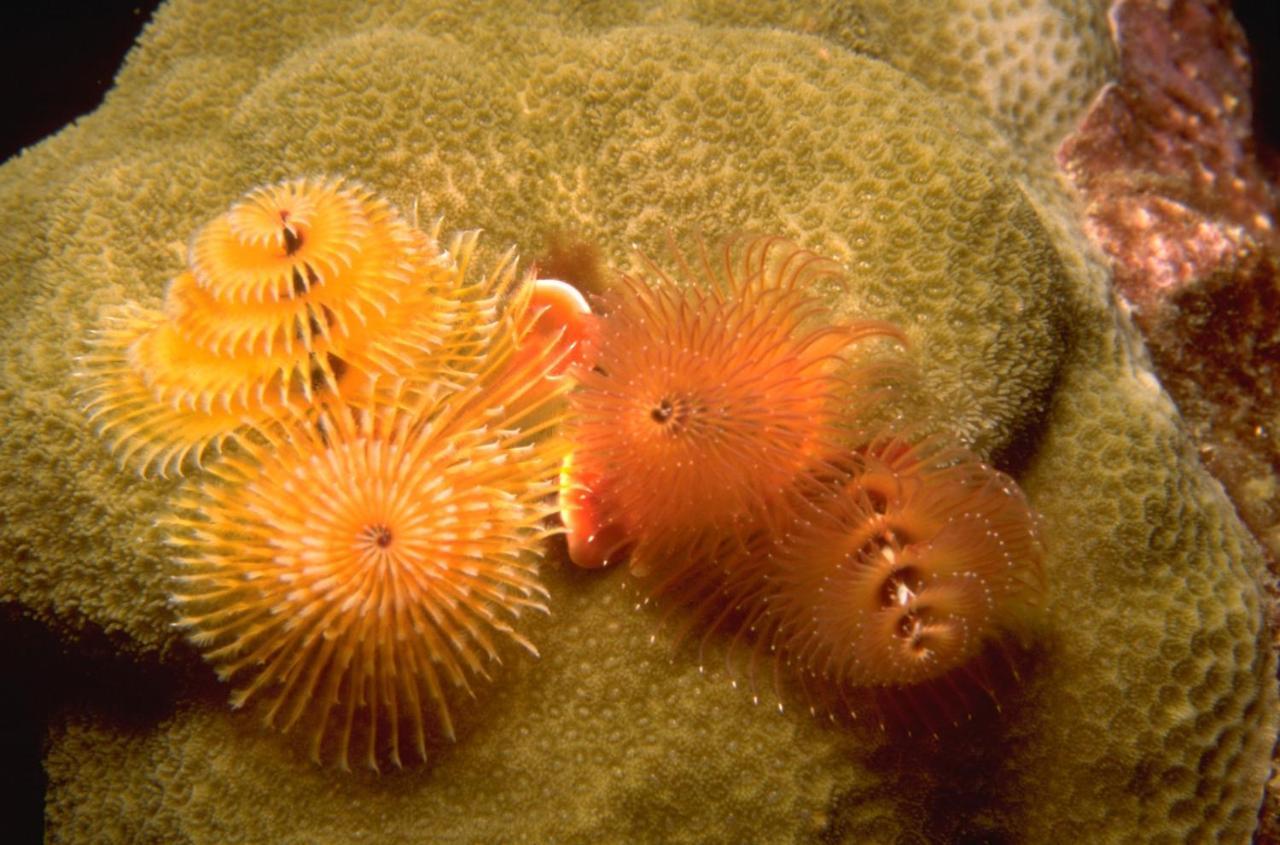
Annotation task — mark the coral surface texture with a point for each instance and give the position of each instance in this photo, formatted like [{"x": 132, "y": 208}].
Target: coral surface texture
[{"x": 911, "y": 142}]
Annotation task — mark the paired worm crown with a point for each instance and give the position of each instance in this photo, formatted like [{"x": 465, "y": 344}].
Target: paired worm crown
[
  {"x": 370, "y": 531},
  {"x": 724, "y": 445}
]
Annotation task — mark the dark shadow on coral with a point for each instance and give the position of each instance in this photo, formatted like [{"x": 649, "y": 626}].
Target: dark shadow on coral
[
  {"x": 46, "y": 677},
  {"x": 574, "y": 259},
  {"x": 949, "y": 778},
  {"x": 1015, "y": 456}
]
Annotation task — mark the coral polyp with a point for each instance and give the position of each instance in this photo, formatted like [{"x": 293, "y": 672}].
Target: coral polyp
[
  {"x": 303, "y": 290},
  {"x": 709, "y": 395},
  {"x": 357, "y": 569}
]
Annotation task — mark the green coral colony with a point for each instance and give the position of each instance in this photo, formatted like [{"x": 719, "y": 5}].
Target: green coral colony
[{"x": 912, "y": 143}]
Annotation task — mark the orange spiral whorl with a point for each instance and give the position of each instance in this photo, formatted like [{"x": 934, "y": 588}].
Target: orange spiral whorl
[
  {"x": 356, "y": 570},
  {"x": 705, "y": 403},
  {"x": 904, "y": 574},
  {"x": 302, "y": 291}
]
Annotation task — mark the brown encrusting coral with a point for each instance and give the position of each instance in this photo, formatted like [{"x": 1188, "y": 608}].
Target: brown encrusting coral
[
  {"x": 303, "y": 288},
  {"x": 356, "y": 570},
  {"x": 1183, "y": 204},
  {"x": 1182, "y": 196}
]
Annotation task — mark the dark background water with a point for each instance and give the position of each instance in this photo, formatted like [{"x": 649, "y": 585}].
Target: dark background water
[
  {"x": 1261, "y": 22},
  {"x": 57, "y": 60}
]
